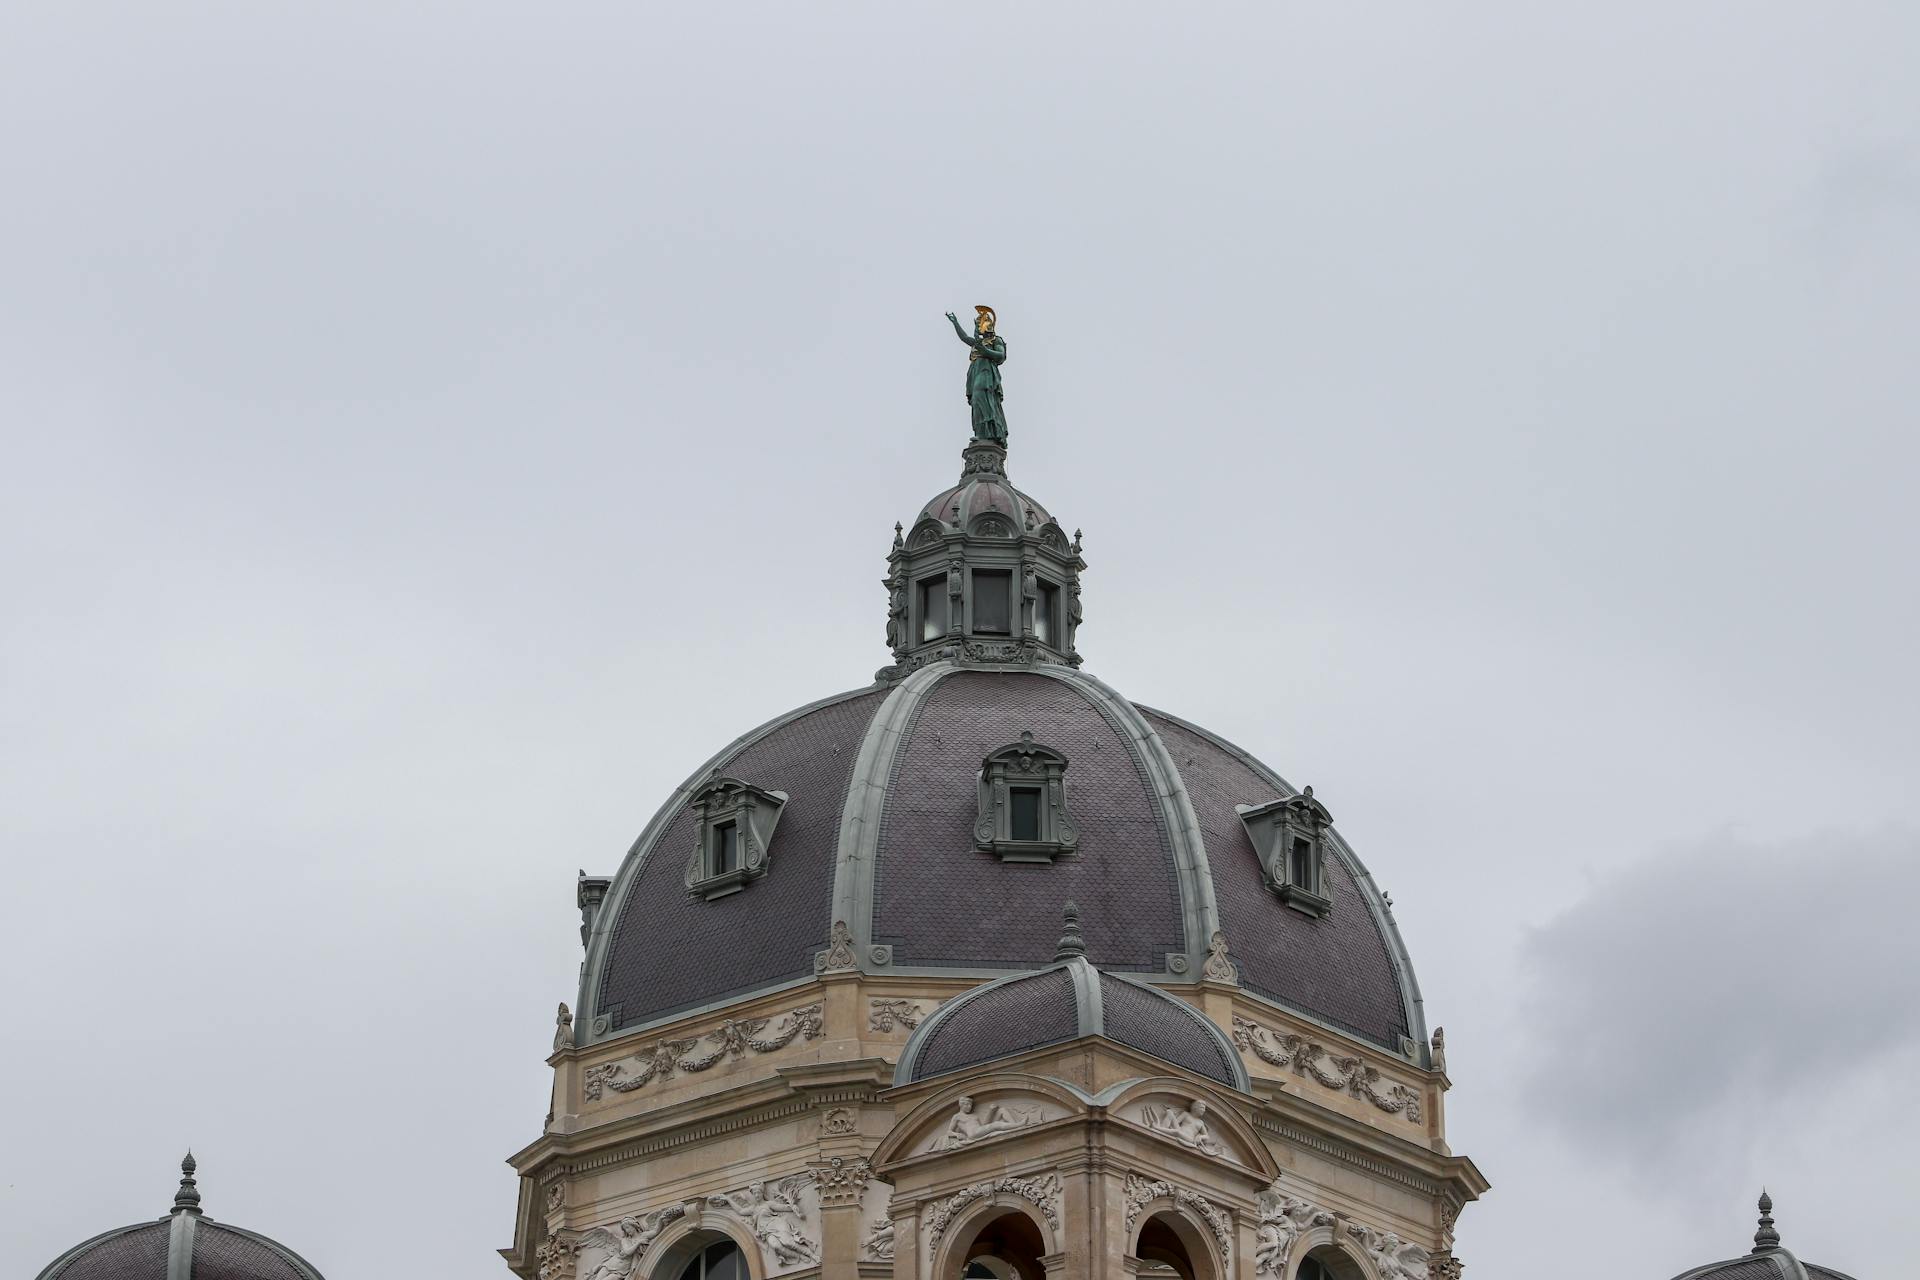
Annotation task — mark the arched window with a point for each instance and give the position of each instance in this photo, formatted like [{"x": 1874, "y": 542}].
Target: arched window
[{"x": 716, "y": 1262}]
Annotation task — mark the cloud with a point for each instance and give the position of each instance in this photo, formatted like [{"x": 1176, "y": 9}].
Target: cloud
[{"x": 1695, "y": 992}]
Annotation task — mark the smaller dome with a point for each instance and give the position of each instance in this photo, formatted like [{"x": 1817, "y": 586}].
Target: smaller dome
[
  {"x": 184, "y": 1245},
  {"x": 1768, "y": 1260},
  {"x": 984, "y": 487},
  {"x": 1065, "y": 1001}
]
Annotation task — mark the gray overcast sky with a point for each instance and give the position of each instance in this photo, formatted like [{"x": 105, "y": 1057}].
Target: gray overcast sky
[{"x": 1497, "y": 415}]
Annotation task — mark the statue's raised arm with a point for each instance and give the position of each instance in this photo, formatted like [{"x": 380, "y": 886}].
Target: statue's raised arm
[{"x": 985, "y": 393}]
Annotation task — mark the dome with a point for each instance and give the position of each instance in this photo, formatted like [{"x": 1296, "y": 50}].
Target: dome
[
  {"x": 1062, "y": 1002},
  {"x": 880, "y": 795},
  {"x": 184, "y": 1245},
  {"x": 983, "y": 488},
  {"x": 1768, "y": 1260}
]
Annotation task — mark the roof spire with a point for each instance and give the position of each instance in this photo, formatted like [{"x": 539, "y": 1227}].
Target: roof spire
[
  {"x": 188, "y": 1196},
  {"x": 1072, "y": 946},
  {"x": 1766, "y": 1239}
]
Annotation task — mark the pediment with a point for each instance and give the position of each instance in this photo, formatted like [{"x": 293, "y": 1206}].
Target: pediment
[
  {"x": 1181, "y": 1113},
  {"x": 982, "y": 1110}
]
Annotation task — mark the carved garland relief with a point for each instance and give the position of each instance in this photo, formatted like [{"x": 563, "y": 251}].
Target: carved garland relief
[
  {"x": 731, "y": 1039},
  {"x": 1141, "y": 1192},
  {"x": 1043, "y": 1193},
  {"x": 1317, "y": 1062},
  {"x": 885, "y": 1015}
]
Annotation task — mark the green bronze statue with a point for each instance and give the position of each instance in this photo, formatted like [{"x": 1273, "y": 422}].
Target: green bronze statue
[{"x": 984, "y": 392}]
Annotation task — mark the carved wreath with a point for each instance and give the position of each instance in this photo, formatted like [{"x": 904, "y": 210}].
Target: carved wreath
[
  {"x": 1335, "y": 1071},
  {"x": 731, "y": 1039}
]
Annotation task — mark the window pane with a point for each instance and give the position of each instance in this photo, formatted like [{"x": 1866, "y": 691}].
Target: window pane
[
  {"x": 1023, "y": 813},
  {"x": 1044, "y": 612},
  {"x": 992, "y": 601},
  {"x": 933, "y": 608},
  {"x": 726, "y": 848},
  {"x": 1301, "y": 872},
  {"x": 725, "y": 1263}
]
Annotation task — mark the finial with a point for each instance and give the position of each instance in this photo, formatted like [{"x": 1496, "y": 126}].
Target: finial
[
  {"x": 1766, "y": 1239},
  {"x": 1076, "y": 542},
  {"x": 898, "y": 542},
  {"x": 1072, "y": 946},
  {"x": 955, "y": 508},
  {"x": 188, "y": 1196}
]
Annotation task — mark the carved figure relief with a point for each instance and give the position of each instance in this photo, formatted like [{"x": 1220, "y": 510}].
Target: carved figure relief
[
  {"x": 1141, "y": 1192},
  {"x": 1283, "y": 1219},
  {"x": 1393, "y": 1257},
  {"x": 969, "y": 1125},
  {"x": 1186, "y": 1125},
  {"x": 885, "y": 1015},
  {"x": 732, "y": 1039},
  {"x": 1043, "y": 1193},
  {"x": 896, "y": 606},
  {"x": 774, "y": 1213},
  {"x": 838, "y": 1121},
  {"x": 563, "y": 1028},
  {"x": 1335, "y": 1071},
  {"x": 623, "y": 1246},
  {"x": 878, "y": 1245},
  {"x": 556, "y": 1192}
]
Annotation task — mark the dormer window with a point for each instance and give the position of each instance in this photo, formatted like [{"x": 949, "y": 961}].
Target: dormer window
[
  {"x": 1290, "y": 838},
  {"x": 736, "y": 821},
  {"x": 726, "y": 849},
  {"x": 1023, "y": 804}
]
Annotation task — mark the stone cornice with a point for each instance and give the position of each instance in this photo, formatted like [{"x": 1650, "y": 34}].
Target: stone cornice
[{"x": 1363, "y": 1146}]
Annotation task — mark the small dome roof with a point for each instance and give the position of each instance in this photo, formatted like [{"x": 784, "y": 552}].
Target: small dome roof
[
  {"x": 984, "y": 487},
  {"x": 1768, "y": 1260},
  {"x": 1065, "y": 1001},
  {"x": 184, "y": 1245}
]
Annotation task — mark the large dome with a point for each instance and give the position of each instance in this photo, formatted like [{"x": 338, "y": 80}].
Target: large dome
[{"x": 880, "y": 796}]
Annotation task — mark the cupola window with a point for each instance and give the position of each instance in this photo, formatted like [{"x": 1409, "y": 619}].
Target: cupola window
[
  {"x": 933, "y": 607},
  {"x": 992, "y": 602},
  {"x": 1046, "y": 614},
  {"x": 1023, "y": 804},
  {"x": 735, "y": 836},
  {"x": 1290, "y": 838}
]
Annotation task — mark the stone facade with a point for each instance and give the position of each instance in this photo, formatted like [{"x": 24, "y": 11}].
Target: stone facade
[
  {"x": 771, "y": 1062},
  {"x": 806, "y": 1155}
]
